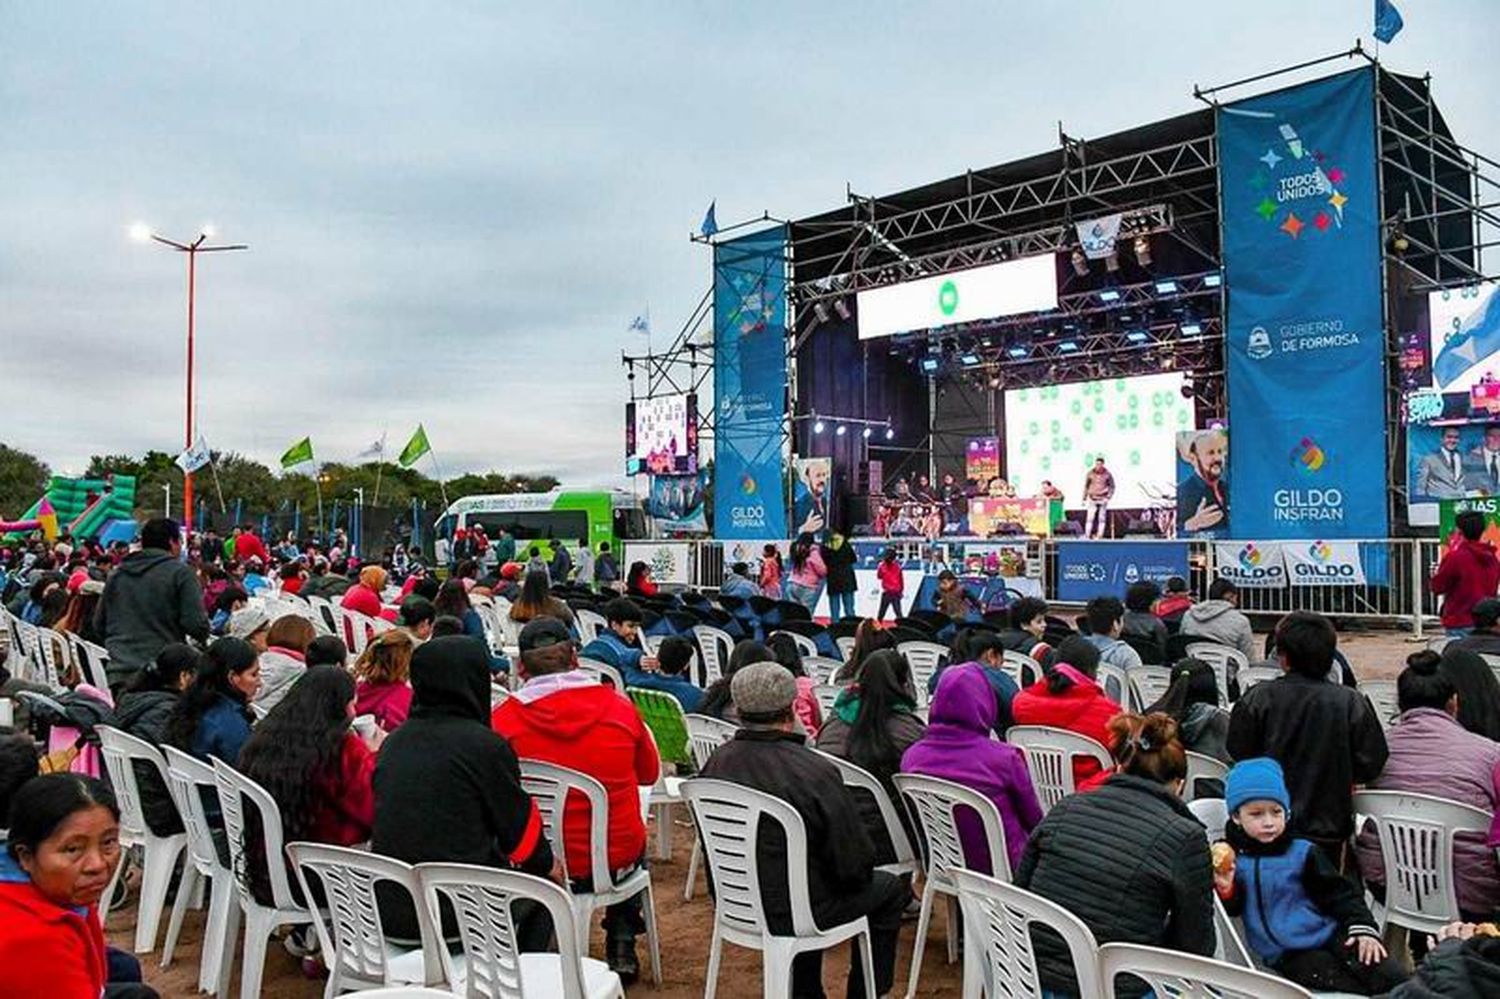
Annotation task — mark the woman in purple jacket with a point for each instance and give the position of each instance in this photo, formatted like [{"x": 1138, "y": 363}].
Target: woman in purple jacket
[{"x": 958, "y": 747}]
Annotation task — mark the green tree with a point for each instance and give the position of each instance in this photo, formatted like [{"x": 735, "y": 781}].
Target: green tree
[{"x": 23, "y": 480}]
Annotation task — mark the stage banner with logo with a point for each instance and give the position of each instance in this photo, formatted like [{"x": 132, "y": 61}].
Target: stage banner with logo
[
  {"x": 670, "y": 561},
  {"x": 982, "y": 460},
  {"x": 750, "y": 385},
  {"x": 1256, "y": 565},
  {"x": 1203, "y": 484},
  {"x": 987, "y": 513},
  {"x": 1088, "y": 569},
  {"x": 1302, "y": 267},
  {"x": 1448, "y": 514}
]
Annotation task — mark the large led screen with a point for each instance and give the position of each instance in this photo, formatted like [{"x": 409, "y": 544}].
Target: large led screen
[{"x": 661, "y": 435}]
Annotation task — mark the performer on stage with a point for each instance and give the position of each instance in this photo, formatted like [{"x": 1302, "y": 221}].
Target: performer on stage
[
  {"x": 1098, "y": 490},
  {"x": 1050, "y": 492}
]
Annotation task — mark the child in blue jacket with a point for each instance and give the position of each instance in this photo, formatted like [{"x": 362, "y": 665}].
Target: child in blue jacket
[{"x": 1303, "y": 919}]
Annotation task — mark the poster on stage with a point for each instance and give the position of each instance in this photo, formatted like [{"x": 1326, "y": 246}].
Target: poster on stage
[
  {"x": 988, "y": 513},
  {"x": 1203, "y": 484},
  {"x": 669, "y": 560},
  {"x": 1449, "y": 463},
  {"x": 811, "y": 497},
  {"x": 1254, "y": 565},
  {"x": 995, "y": 559},
  {"x": 676, "y": 503},
  {"x": 1304, "y": 341},
  {"x": 750, "y": 393},
  {"x": 982, "y": 460},
  {"x": 1323, "y": 563},
  {"x": 1089, "y": 569},
  {"x": 1449, "y": 510}
]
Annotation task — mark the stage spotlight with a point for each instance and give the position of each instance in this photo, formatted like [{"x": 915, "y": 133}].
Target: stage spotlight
[
  {"x": 1212, "y": 280},
  {"x": 968, "y": 359},
  {"x": 1166, "y": 287},
  {"x": 1142, "y": 247},
  {"x": 1109, "y": 295},
  {"x": 840, "y": 430},
  {"x": 890, "y": 433},
  {"x": 1080, "y": 263},
  {"x": 929, "y": 365},
  {"x": 1186, "y": 390},
  {"x": 866, "y": 432},
  {"x": 817, "y": 426},
  {"x": 1192, "y": 329},
  {"x": 1137, "y": 336},
  {"x": 841, "y": 308},
  {"x": 1068, "y": 347},
  {"x": 820, "y": 311},
  {"x": 1017, "y": 352},
  {"x": 1112, "y": 262}
]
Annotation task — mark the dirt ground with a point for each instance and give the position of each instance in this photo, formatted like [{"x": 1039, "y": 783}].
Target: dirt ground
[{"x": 685, "y": 926}]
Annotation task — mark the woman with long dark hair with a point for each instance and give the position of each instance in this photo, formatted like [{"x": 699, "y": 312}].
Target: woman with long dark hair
[
  {"x": 717, "y": 702},
  {"x": 452, "y": 600},
  {"x": 212, "y": 718},
  {"x": 78, "y": 619},
  {"x": 319, "y": 771},
  {"x": 144, "y": 711},
  {"x": 805, "y": 705},
  {"x": 1478, "y": 691},
  {"x": 869, "y": 638},
  {"x": 536, "y": 601},
  {"x": 638, "y": 582},
  {"x": 808, "y": 572},
  {"x": 1192, "y": 701}
]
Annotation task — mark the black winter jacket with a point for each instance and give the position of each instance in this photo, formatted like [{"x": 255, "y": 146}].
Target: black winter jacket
[
  {"x": 1468, "y": 969},
  {"x": 840, "y": 564},
  {"x": 840, "y": 855},
  {"x": 149, "y": 602},
  {"x": 1327, "y": 739},
  {"x": 144, "y": 715},
  {"x": 1129, "y": 860}
]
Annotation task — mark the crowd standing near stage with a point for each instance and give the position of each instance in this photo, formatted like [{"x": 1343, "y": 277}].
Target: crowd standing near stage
[{"x": 430, "y": 768}]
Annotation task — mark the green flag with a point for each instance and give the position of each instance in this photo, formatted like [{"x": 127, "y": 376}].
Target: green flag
[
  {"x": 415, "y": 448},
  {"x": 298, "y": 453}
]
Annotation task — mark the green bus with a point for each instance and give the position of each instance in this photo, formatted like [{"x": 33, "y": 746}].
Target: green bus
[{"x": 536, "y": 518}]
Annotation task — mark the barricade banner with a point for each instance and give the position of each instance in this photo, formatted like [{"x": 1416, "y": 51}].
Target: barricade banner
[
  {"x": 670, "y": 561},
  {"x": 1304, "y": 335},
  {"x": 750, "y": 385},
  {"x": 1324, "y": 563},
  {"x": 1088, "y": 569},
  {"x": 1256, "y": 565}
]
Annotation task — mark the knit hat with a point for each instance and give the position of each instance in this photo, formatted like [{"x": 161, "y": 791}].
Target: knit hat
[
  {"x": 1258, "y": 779},
  {"x": 762, "y": 689},
  {"x": 247, "y": 621}
]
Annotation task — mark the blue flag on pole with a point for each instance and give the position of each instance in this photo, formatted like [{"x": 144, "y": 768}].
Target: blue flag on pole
[
  {"x": 710, "y": 224},
  {"x": 1387, "y": 20},
  {"x": 640, "y": 324},
  {"x": 1477, "y": 338}
]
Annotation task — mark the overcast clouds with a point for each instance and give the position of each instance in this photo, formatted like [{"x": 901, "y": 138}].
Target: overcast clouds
[{"x": 455, "y": 208}]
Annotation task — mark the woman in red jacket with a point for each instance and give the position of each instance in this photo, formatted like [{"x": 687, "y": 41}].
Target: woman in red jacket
[
  {"x": 892, "y": 584},
  {"x": 1068, "y": 698},
  {"x": 319, "y": 771},
  {"x": 63, "y": 849},
  {"x": 364, "y": 597}
]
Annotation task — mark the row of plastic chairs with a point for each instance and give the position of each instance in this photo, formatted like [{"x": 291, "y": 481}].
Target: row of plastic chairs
[{"x": 55, "y": 658}]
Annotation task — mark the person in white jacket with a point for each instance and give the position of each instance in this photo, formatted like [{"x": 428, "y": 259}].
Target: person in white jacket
[{"x": 1219, "y": 619}]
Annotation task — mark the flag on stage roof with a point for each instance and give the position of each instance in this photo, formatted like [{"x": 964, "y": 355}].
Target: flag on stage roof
[
  {"x": 298, "y": 453},
  {"x": 710, "y": 224},
  {"x": 1478, "y": 337},
  {"x": 194, "y": 457},
  {"x": 415, "y": 448},
  {"x": 640, "y": 324},
  {"x": 1388, "y": 21}
]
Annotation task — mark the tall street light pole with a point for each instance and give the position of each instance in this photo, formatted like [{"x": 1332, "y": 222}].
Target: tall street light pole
[{"x": 142, "y": 233}]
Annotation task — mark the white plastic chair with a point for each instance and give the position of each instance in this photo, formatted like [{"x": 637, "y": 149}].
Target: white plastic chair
[
  {"x": 260, "y": 920},
  {"x": 92, "y": 661},
  {"x": 1201, "y": 767},
  {"x": 728, "y": 816},
  {"x": 604, "y": 672},
  {"x": 549, "y": 786},
  {"x": 826, "y": 694},
  {"x": 845, "y": 646},
  {"x": 354, "y": 945},
  {"x": 1016, "y": 665},
  {"x": 1113, "y": 681},
  {"x": 357, "y": 630},
  {"x": 1416, "y": 846},
  {"x": 999, "y": 958},
  {"x": 1148, "y": 684},
  {"x": 1382, "y": 695},
  {"x": 1227, "y": 663},
  {"x": 1173, "y": 973},
  {"x": 1049, "y": 758},
  {"x": 934, "y": 804},
  {"x": 160, "y": 852},
  {"x": 805, "y": 646},
  {"x": 187, "y": 779},
  {"x": 923, "y": 658},
  {"x": 590, "y": 623},
  {"x": 1230, "y": 944},
  {"x": 407, "y": 992},
  {"x": 493, "y": 967},
  {"x": 715, "y": 645},
  {"x": 822, "y": 669},
  {"x": 1213, "y": 813},
  {"x": 705, "y": 734},
  {"x": 1251, "y": 675},
  {"x": 858, "y": 778},
  {"x": 325, "y": 615}
]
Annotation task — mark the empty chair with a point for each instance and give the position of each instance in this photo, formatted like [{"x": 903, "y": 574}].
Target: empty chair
[
  {"x": 1214, "y": 815},
  {"x": 999, "y": 959},
  {"x": 160, "y": 852},
  {"x": 483, "y": 899},
  {"x": 1173, "y": 973},
  {"x": 188, "y": 778},
  {"x": 1049, "y": 759},
  {"x": 934, "y": 804},
  {"x": 590, "y": 623},
  {"x": 715, "y": 646},
  {"x": 924, "y": 659},
  {"x": 821, "y": 669},
  {"x": 1202, "y": 768},
  {"x": 845, "y": 646},
  {"x": 728, "y": 817},
  {"x": 1113, "y": 681},
  {"x": 1147, "y": 685},
  {"x": 92, "y": 661}
]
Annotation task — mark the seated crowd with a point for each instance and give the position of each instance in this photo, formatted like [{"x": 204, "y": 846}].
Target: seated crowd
[{"x": 415, "y": 749}]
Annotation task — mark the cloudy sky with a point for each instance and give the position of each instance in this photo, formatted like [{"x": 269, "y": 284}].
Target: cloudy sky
[{"x": 455, "y": 208}]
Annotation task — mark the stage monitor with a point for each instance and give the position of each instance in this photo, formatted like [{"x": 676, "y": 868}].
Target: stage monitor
[
  {"x": 661, "y": 435},
  {"x": 1465, "y": 336},
  {"x": 1004, "y": 289},
  {"x": 1056, "y": 432}
]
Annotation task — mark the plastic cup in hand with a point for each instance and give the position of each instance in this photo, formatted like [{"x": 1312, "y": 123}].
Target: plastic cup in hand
[{"x": 366, "y": 726}]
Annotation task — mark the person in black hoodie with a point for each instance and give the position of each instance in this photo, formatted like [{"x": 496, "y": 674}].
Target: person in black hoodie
[
  {"x": 152, "y": 600},
  {"x": 448, "y": 788},
  {"x": 1465, "y": 964},
  {"x": 143, "y": 711},
  {"x": 838, "y": 558}
]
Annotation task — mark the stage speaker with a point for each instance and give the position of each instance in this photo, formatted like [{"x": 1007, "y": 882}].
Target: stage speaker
[{"x": 858, "y": 510}]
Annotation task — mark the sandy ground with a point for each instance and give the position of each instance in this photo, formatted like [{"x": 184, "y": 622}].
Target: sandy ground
[{"x": 685, "y": 926}]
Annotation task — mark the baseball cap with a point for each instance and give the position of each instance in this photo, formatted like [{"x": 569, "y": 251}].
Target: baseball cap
[{"x": 542, "y": 632}]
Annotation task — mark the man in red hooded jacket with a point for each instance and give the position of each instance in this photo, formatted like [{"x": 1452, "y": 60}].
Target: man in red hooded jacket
[
  {"x": 1469, "y": 573},
  {"x": 565, "y": 716}
]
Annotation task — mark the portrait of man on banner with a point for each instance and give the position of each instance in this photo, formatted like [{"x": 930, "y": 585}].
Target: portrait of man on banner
[
  {"x": 1203, "y": 484},
  {"x": 810, "y": 496}
]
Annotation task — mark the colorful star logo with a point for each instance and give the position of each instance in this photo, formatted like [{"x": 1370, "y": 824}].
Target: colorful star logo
[
  {"x": 1259, "y": 180},
  {"x": 1266, "y": 209},
  {"x": 1337, "y": 201},
  {"x": 1270, "y": 159},
  {"x": 1293, "y": 226}
]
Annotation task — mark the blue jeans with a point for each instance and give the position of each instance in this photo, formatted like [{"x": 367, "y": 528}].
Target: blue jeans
[
  {"x": 840, "y": 600},
  {"x": 1458, "y": 632}
]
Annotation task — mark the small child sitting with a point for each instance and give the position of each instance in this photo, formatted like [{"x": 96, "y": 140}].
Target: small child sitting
[
  {"x": 673, "y": 657},
  {"x": 1305, "y": 920}
]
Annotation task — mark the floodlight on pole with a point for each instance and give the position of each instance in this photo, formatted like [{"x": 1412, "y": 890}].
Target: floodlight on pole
[{"x": 142, "y": 232}]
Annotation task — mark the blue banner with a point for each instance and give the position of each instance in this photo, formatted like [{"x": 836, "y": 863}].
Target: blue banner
[
  {"x": 1304, "y": 334},
  {"x": 1089, "y": 569},
  {"x": 750, "y": 386}
]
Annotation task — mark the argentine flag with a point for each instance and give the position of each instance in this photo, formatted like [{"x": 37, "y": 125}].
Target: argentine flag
[{"x": 1477, "y": 338}]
